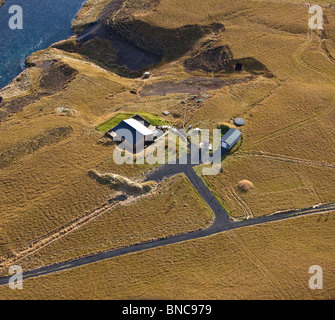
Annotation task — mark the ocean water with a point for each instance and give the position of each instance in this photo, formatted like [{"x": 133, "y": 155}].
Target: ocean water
[{"x": 44, "y": 22}]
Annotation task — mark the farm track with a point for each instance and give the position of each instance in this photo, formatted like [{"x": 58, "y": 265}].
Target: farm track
[
  {"x": 258, "y": 263},
  {"x": 42, "y": 242},
  {"x": 249, "y": 214},
  {"x": 283, "y": 158},
  {"x": 303, "y": 123}
]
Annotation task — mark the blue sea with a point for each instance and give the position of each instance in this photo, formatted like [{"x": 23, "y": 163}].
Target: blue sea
[{"x": 44, "y": 22}]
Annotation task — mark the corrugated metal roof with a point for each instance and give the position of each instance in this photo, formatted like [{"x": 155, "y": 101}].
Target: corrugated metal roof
[
  {"x": 137, "y": 130},
  {"x": 231, "y": 136},
  {"x": 138, "y": 127}
]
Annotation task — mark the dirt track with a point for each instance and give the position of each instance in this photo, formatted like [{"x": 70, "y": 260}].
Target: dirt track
[{"x": 323, "y": 114}]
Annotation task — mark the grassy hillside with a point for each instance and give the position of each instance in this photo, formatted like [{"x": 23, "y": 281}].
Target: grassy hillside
[
  {"x": 286, "y": 94},
  {"x": 180, "y": 210},
  {"x": 266, "y": 262}
]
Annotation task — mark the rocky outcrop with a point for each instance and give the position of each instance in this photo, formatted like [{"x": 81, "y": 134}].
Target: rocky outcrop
[
  {"x": 119, "y": 24},
  {"x": 169, "y": 44},
  {"x": 54, "y": 77},
  {"x": 210, "y": 60},
  {"x": 211, "y": 57}
]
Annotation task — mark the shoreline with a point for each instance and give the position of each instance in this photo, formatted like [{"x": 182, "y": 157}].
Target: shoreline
[{"x": 83, "y": 2}]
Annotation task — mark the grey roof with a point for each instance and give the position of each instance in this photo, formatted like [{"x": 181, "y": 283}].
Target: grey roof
[
  {"x": 138, "y": 126},
  {"x": 137, "y": 130},
  {"x": 231, "y": 136},
  {"x": 239, "y": 122}
]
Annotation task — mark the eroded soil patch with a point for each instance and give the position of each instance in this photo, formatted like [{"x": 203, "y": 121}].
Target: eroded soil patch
[
  {"x": 218, "y": 59},
  {"x": 55, "y": 77},
  {"x": 191, "y": 85}
]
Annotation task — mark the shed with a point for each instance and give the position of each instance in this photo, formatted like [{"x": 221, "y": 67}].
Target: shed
[
  {"x": 146, "y": 75},
  {"x": 166, "y": 113},
  {"x": 206, "y": 145},
  {"x": 231, "y": 138}
]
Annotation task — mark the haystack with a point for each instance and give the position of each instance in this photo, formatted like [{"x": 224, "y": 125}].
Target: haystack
[{"x": 245, "y": 185}]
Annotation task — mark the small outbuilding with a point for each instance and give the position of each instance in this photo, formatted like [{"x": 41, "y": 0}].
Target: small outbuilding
[
  {"x": 230, "y": 139},
  {"x": 166, "y": 113},
  {"x": 146, "y": 75},
  {"x": 206, "y": 145}
]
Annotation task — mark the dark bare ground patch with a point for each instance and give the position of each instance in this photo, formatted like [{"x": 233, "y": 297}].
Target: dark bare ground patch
[
  {"x": 191, "y": 85},
  {"x": 211, "y": 60},
  {"x": 55, "y": 77},
  {"x": 217, "y": 59},
  {"x": 8, "y": 108}
]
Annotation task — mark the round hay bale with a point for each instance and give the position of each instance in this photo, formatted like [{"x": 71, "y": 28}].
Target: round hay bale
[{"x": 245, "y": 185}]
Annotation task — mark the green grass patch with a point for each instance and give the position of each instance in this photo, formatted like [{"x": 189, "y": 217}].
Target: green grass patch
[
  {"x": 113, "y": 122},
  {"x": 224, "y": 129}
]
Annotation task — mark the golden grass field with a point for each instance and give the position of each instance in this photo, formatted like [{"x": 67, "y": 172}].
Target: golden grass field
[
  {"x": 265, "y": 262},
  {"x": 171, "y": 209},
  {"x": 287, "y": 153}
]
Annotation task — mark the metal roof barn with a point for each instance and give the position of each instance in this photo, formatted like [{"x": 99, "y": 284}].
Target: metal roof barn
[
  {"x": 230, "y": 138},
  {"x": 133, "y": 133}
]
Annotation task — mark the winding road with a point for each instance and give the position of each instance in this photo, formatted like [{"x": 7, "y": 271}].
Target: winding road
[{"x": 222, "y": 222}]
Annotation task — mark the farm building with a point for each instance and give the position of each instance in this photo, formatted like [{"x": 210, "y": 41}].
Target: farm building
[
  {"x": 230, "y": 139},
  {"x": 146, "y": 75},
  {"x": 133, "y": 133}
]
